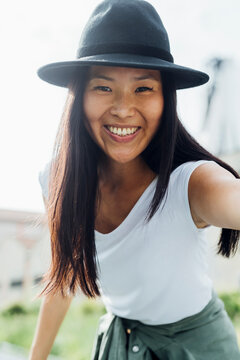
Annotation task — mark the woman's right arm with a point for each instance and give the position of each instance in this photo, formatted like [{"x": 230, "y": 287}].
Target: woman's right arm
[{"x": 52, "y": 312}]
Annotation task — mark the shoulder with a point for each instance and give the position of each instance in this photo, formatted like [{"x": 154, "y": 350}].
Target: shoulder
[
  {"x": 209, "y": 175},
  {"x": 208, "y": 190}
]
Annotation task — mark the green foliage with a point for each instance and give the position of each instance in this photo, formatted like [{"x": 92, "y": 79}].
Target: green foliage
[
  {"x": 232, "y": 304},
  {"x": 76, "y": 335},
  {"x": 90, "y": 307},
  {"x": 14, "y": 309},
  {"x": 17, "y": 309}
]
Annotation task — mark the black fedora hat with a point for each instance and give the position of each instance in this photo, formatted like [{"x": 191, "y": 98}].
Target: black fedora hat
[{"x": 126, "y": 33}]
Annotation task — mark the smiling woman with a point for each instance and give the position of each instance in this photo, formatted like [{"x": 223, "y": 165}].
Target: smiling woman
[{"x": 130, "y": 193}]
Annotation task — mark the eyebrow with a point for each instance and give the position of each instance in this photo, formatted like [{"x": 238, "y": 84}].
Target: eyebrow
[
  {"x": 99, "y": 76},
  {"x": 137, "y": 78},
  {"x": 146, "y": 77}
]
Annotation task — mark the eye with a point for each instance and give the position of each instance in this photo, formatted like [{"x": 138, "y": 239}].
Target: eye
[
  {"x": 102, "y": 88},
  {"x": 143, "y": 89}
]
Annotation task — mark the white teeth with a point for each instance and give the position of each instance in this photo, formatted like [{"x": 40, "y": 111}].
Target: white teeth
[{"x": 122, "y": 132}]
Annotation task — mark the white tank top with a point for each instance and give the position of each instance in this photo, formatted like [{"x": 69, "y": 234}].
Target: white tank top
[{"x": 155, "y": 272}]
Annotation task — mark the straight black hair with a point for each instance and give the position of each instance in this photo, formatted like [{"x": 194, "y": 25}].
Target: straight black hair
[{"x": 73, "y": 188}]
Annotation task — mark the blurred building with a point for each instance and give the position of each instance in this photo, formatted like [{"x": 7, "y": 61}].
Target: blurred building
[{"x": 24, "y": 253}]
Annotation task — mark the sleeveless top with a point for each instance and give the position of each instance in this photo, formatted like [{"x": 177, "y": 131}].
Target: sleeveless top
[{"x": 155, "y": 272}]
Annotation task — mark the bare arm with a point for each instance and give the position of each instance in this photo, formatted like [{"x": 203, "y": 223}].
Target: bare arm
[
  {"x": 214, "y": 196},
  {"x": 52, "y": 312}
]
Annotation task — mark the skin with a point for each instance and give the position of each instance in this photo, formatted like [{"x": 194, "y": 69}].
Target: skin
[
  {"x": 133, "y": 97},
  {"x": 214, "y": 197}
]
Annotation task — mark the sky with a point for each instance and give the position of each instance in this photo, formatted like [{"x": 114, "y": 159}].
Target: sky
[{"x": 34, "y": 33}]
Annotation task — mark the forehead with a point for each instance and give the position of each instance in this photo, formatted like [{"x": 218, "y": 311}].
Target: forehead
[{"x": 115, "y": 71}]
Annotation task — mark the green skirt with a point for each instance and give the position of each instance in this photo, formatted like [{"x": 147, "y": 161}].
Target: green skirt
[{"x": 207, "y": 335}]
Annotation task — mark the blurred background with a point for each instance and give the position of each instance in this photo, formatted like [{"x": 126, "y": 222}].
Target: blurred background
[{"x": 203, "y": 35}]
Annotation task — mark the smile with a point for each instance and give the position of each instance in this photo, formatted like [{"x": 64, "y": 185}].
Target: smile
[
  {"x": 122, "y": 131},
  {"x": 122, "y": 135}
]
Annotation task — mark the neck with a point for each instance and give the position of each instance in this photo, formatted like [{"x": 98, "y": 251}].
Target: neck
[{"x": 125, "y": 176}]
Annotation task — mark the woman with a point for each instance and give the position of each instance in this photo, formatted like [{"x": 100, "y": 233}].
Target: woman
[{"x": 130, "y": 195}]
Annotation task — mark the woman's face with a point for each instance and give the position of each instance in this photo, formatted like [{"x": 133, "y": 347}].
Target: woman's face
[{"x": 123, "y": 108}]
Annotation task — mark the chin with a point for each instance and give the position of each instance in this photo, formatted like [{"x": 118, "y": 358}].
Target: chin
[{"x": 123, "y": 159}]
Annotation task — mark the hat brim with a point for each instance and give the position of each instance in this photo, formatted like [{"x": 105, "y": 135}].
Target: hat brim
[{"x": 61, "y": 73}]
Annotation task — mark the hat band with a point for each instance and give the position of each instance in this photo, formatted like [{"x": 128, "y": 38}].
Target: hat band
[{"x": 101, "y": 49}]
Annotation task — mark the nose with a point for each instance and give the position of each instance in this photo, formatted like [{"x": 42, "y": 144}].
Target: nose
[{"x": 123, "y": 105}]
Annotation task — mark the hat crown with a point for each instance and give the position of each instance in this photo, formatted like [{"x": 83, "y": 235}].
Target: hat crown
[{"x": 123, "y": 23}]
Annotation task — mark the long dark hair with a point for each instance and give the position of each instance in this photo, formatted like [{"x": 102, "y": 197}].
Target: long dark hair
[{"x": 73, "y": 188}]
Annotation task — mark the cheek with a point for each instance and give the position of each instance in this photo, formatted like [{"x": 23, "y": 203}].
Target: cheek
[
  {"x": 154, "y": 111},
  {"x": 89, "y": 116},
  {"x": 93, "y": 108},
  {"x": 88, "y": 107},
  {"x": 90, "y": 113}
]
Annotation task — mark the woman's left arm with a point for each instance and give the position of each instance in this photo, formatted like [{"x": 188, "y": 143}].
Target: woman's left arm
[{"x": 214, "y": 196}]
